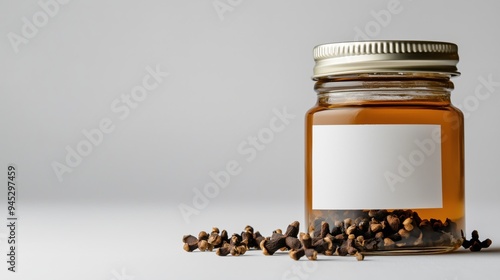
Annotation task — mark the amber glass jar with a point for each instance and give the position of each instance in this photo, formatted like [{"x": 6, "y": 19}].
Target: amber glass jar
[{"x": 385, "y": 146}]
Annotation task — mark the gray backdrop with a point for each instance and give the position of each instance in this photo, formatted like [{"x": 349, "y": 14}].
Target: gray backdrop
[{"x": 116, "y": 113}]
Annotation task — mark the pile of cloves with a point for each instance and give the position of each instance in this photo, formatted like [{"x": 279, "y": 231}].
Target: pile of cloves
[
  {"x": 327, "y": 242},
  {"x": 475, "y": 245},
  {"x": 383, "y": 230},
  {"x": 298, "y": 244},
  {"x": 369, "y": 231},
  {"x": 236, "y": 245}
]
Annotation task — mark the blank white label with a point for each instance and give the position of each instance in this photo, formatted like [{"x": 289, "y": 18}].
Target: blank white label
[{"x": 376, "y": 167}]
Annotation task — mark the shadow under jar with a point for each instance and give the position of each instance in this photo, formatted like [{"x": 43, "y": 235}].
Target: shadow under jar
[{"x": 385, "y": 146}]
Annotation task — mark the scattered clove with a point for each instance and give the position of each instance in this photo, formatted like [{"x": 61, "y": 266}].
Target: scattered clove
[
  {"x": 215, "y": 240},
  {"x": 270, "y": 246},
  {"x": 190, "y": 243},
  {"x": 371, "y": 231},
  {"x": 474, "y": 244}
]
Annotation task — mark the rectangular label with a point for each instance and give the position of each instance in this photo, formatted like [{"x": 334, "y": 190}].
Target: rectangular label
[{"x": 376, "y": 167}]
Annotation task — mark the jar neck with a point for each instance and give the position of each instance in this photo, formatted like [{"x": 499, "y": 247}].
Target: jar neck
[{"x": 384, "y": 88}]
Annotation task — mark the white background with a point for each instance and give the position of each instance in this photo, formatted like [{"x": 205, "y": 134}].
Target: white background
[{"x": 116, "y": 215}]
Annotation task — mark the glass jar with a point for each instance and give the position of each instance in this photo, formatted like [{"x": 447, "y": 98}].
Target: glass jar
[{"x": 385, "y": 146}]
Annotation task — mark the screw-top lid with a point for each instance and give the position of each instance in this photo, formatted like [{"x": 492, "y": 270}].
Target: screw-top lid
[{"x": 385, "y": 56}]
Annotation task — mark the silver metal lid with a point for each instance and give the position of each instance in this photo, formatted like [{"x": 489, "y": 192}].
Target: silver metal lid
[{"x": 385, "y": 56}]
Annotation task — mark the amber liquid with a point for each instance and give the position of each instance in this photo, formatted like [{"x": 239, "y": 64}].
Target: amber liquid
[{"x": 401, "y": 112}]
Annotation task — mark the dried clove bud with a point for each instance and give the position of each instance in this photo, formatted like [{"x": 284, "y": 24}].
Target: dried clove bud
[
  {"x": 416, "y": 232},
  {"x": 360, "y": 241},
  {"x": 325, "y": 230},
  {"x": 371, "y": 244},
  {"x": 238, "y": 250},
  {"x": 393, "y": 222},
  {"x": 408, "y": 224},
  {"x": 388, "y": 243},
  {"x": 331, "y": 252},
  {"x": 203, "y": 235},
  {"x": 404, "y": 233},
  {"x": 437, "y": 225},
  {"x": 224, "y": 236},
  {"x": 269, "y": 247},
  {"x": 475, "y": 245},
  {"x": 247, "y": 239},
  {"x": 351, "y": 230},
  {"x": 204, "y": 246},
  {"x": 322, "y": 245},
  {"x": 475, "y": 235},
  {"x": 337, "y": 229},
  {"x": 224, "y": 250},
  {"x": 379, "y": 235},
  {"x": 419, "y": 241},
  {"x": 360, "y": 232},
  {"x": 249, "y": 229},
  {"x": 375, "y": 227},
  {"x": 215, "y": 239},
  {"x": 466, "y": 243},
  {"x": 351, "y": 249},
  {"x": 293, "y": 229},
  {"x": 306, "y": 240},
  {"x": 297, "y": 254},
  {"x": 342, "y": 249},
  {"x": 258, "y": 238},
  {"x": 234, "y": 247},
  {"x": 311, "y": 254},
  {"x": 339, "y": 238},
  {"x": 486, "y": 243},
  {"x": 235, "y": 239},
  {"x": 203, "y": 241},
  {"x": 315, "y": 227},
  {"x": 363, "y": 225}
]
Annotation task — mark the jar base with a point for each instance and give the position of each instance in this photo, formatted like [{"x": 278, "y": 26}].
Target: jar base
[{"x": 413, "y": 251}]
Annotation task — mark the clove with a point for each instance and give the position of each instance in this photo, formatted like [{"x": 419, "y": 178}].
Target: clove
[
  {"x": 270, "y": 246},
  {"x": 474, "y": 244},
  {"x": 190, "y": 243}
]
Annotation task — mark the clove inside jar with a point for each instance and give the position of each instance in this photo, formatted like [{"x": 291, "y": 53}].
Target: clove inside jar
[{"x": 385, "y": 146}]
